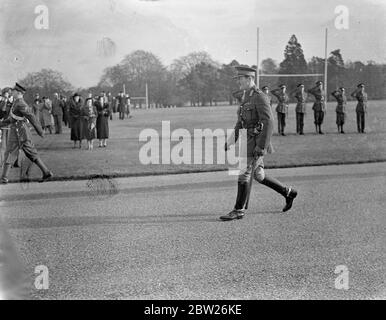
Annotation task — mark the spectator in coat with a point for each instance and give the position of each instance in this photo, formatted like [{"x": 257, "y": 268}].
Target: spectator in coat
[
  {"x": 63, "y": 104},
  {"x": 89, "y": 115},
  {"x": 102, "y": 123},
  {"x": 121, "y": 105},
  {"x": 57, "y": 113},
  {"x": 36, "y": 107},
  {"x": 45, "y": 115},
  {"x": 75, "y": 111}
]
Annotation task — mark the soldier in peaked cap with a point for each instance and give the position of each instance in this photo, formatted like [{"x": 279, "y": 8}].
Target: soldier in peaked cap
[
  {"x": 265, "y": 89},
  {"x": 341, "y": 98},
  {"x": 319, "y": 106},
  {"x": 20, "y": 137},
  {"x": 301, "y": 97},
  {"x": 282, "y": 106},
  {"x": 255, "y": 117},
  {"x": 361, "y": 108}
]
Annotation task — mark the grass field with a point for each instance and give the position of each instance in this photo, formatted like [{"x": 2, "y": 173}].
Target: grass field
[{"x": 121, "y": 157}]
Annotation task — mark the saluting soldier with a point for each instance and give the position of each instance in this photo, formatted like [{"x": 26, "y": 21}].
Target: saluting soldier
[
  {"x": 20, "y": 137},
  {"x": 301, "y": 97},
  {"x": 265, "y": 89},
  {"x": 254, "y": 115},
  {"x": 282, "y": 106},
  {"x": 319, "y": 106},
  {"x": 361, "y": 108},
  {"x": 340, "y": 96}
]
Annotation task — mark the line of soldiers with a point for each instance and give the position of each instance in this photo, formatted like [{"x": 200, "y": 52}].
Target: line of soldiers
[{"x": 319, "y": 106}]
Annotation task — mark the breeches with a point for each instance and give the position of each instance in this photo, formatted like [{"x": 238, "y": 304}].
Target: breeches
[
  {"x": 11, "y": 153},
  {"x": 254, "y": 169}
]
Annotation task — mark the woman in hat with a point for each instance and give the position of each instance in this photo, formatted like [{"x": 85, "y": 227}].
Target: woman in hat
[
  {"x": 75, "y": 111},
  {"x": 102, "y": 124},
  {"x": 89, "y": 115}
]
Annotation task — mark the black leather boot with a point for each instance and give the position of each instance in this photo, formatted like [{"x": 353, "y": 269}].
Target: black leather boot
[
  {"x": 289, "y": 199},
  {"x": 47, "y": 174},
  {"x": 243, "y": 190},
  {"x": 275, "y": 185},
  {"x": 4, "y": 175}
]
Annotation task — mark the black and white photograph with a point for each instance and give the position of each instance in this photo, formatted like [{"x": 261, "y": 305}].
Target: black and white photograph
[{"x": 192, "y": 154}]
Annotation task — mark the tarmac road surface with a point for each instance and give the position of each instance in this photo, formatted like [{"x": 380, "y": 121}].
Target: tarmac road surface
[{"x": 160, "y": 237}]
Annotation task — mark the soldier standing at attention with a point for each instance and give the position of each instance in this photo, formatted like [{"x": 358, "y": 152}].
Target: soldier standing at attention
[
  {"x": 361, "y": 108},
  {"x": 319, "y": 106},
  {"x": 282, "y": 107},
  {"x": 301, "y": 97},
  {"x": 20, "y": 137},
  {"x": 254, "y": 115},
  {"x": 341, "y": 98}
]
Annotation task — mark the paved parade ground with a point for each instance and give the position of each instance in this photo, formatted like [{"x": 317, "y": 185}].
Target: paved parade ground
[
  {"x": 121, "y": 157},
  {"x": 160, "y": 237}
]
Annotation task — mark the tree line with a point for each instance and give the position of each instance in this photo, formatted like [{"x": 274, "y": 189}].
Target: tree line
[{"x": 199, "y": 80}]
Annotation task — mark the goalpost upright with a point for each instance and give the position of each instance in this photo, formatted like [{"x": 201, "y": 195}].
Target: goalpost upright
[{"x": 258, "y": 75}]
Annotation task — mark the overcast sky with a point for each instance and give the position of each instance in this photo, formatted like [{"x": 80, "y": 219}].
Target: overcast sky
[{"x": 172, "y": 28}]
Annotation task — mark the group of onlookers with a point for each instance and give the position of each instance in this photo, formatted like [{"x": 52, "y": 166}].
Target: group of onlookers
[
  {"x": 319, "y": 106},
  {"x": 88, "y": 118}
]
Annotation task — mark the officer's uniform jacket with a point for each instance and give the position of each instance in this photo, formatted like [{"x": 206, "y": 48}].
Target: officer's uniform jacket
[
  {"x": 282, "y": 106},
  {"x": 255, "y": 115},
  {"x": 17, "y": 121},
  {"x": 301, "y": 101},
  {"x": 362, "y": 101},
  {"x": 342, "y": 101},
  {"x": 319, "y": 104}
]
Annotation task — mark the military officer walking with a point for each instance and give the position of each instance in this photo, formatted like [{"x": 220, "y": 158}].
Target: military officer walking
[
  {"x": 20, "y": 137},
  {"x": 319, "y": 106},
  {"x": 361, "y": 108},
  {"x": 255, "y": 116},
  {"x": 341, "y": 98},
  {"x": 301, "y": 97},
  {"x": 282, "y": 107}
]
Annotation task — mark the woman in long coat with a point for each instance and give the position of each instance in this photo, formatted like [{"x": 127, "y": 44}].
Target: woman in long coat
[
  {"x": 102, "y": 123},
  {"x": 45, "y": 115},
  {"x": 75, "y": 112},
  {"x": 37, "y": 107},
  {"x": 89, "y": 115}
]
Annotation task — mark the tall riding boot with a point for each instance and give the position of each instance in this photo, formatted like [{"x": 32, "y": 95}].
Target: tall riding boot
[
  {"x": 4, "y": 175},
  {"x": 320, "y": 129},
  {"x": 275, "y": 185},
  {"x": 249, "y": 193},
  {"x": 341, "y": 129},
  {"x": 316, "y": 128},
  {"x": 46, "y": 173},
  {"x": 242, "y": 195},
  {"x": 287, "y": 192}
]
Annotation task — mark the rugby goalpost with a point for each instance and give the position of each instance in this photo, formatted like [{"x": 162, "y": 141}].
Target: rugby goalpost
[
  {"x": 258, "y": 75},
  {"x": 146, "y": 97}
]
